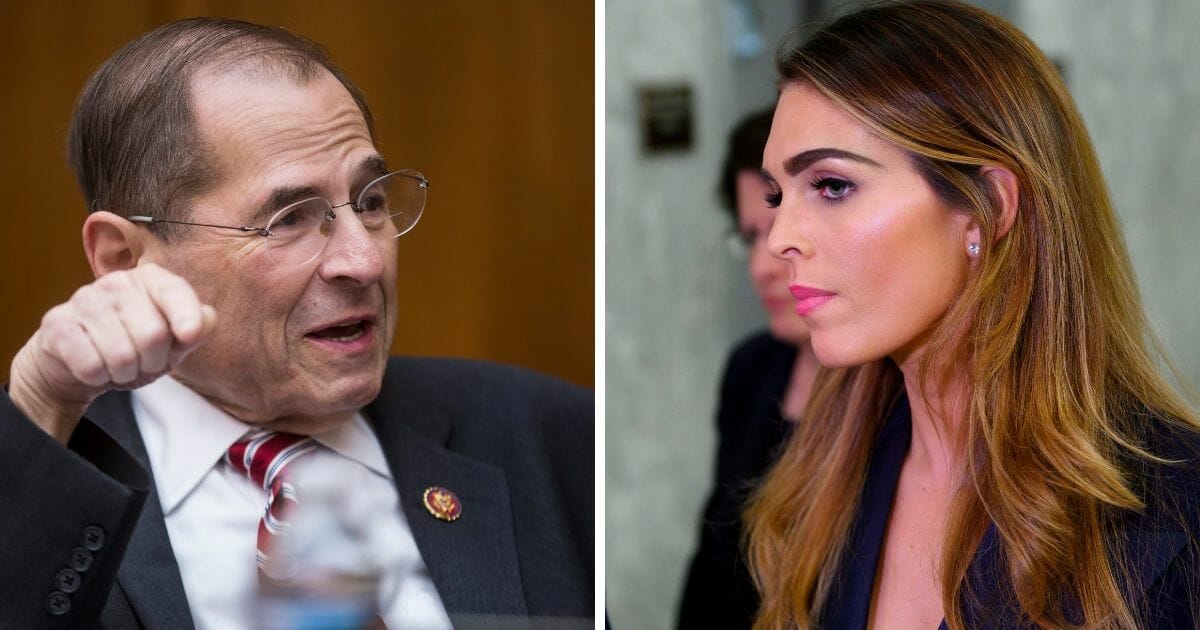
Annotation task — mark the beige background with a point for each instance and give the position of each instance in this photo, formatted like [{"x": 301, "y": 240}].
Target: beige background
[{"x": 493, "y": 102}]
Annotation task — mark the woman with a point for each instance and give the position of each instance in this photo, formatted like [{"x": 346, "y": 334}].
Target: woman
[
  {"x": 994, "y": 446},
  {"x": 766, "y": 383}
]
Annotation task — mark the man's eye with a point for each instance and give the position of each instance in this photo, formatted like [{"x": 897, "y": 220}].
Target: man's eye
[
  {"x": 373, "y": 202},
  {"x": 298, "y": 218},
  {"x": 832, "y": 188},
  {"x": 773, "y": 198},
  {"x": 290, "y": 219}
]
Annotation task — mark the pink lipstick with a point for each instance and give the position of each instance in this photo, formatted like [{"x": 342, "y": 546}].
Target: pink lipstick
[{"x": 808, "y": 298}]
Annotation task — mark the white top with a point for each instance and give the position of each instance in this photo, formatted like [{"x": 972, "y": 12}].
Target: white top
[{"x": 212, "y": 511}]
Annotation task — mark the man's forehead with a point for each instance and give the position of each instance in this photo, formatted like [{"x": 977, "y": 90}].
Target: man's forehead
[
  {"x": 266, "y": 131},
  {"x": 250, "y": 118}
]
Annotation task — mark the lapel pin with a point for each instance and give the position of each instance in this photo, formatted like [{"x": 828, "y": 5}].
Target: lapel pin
[{"x": 442, "y": 503}]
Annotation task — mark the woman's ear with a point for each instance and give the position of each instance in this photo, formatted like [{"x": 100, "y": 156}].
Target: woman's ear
[
  {"x": 112, "y": 243},
  {"x": 1006, "y": 190}
]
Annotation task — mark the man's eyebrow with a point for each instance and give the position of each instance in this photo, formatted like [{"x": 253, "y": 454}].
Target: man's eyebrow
[
  {"x": 373, "y": 165},
  {"x": 281, "y": 197},
  {"x": 797, "y": 163}
]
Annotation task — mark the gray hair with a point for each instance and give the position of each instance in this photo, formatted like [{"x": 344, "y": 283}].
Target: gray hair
[{"x": 133, "y": 142}]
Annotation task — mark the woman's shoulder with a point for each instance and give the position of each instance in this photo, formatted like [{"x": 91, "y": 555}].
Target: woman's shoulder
[
  {"x": 1160, "y": 543},
  {"x": 1169, "y": 481}
]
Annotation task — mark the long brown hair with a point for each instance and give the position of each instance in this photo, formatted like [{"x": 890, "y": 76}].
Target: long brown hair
[{"x": 1049, "y": 330}]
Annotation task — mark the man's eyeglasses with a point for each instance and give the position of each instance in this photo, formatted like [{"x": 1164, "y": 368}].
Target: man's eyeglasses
[{"x": 388, "y": 208}]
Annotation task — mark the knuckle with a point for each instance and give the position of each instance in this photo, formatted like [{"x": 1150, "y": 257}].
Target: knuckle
[
  {"x": 94, "y": 377},
  {"x": 89, "y": 371},
  {"x": 122, "y": 359},
  {"x": 82, "y": 294},
  {"x": 63, "y": 346},
  {"x": 152, "y": 336},
  {"x": 113, "y": 281},
  {"x": 57, "y": 317}
]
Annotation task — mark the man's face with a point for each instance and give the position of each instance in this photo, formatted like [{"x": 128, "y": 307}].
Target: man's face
[{"x": 299, "y": 348}]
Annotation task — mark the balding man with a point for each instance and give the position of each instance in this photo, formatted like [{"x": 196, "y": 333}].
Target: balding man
[{"x": 243, "y": 234}]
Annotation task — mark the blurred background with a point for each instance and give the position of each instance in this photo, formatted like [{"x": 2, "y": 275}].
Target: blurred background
[
  {"x": 679, "y": 74},
  {"x": 493, "y": 102}
]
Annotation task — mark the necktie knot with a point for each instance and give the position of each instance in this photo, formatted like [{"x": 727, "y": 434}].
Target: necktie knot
[{"x": 263, "y": 456}]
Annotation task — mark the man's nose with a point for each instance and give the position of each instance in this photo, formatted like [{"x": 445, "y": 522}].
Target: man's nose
[{"x": 352, "y": 255}]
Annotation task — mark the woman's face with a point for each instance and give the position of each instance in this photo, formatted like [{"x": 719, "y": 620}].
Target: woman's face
[
  {"x": 768, "y": 273},
  {"x": 875, "y": 257}
]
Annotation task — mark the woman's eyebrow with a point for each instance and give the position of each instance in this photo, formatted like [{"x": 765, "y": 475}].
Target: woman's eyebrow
[{"x": 797, "y": 163}]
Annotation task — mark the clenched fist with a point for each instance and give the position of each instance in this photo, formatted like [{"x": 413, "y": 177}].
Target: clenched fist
[{"x": 122, "y": 331}]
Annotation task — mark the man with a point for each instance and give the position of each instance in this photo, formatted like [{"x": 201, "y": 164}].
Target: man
[{"x": 243, "y": 235}]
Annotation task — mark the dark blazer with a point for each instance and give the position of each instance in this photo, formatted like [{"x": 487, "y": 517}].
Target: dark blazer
[
  {"x": 719, "y": 592},
  {"x": 516, "y": 447},
  {"x": 1165, "y": 564}
]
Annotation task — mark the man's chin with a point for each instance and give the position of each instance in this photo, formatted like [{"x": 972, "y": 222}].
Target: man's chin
[
  {"x": 324, "y": 408},
  {"x": 344, "y": 392}
]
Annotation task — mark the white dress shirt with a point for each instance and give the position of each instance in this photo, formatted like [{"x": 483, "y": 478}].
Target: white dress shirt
[{"x": 212, "y": 511}]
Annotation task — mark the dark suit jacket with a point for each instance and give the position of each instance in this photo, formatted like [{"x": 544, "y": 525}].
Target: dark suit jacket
[
  {"x": 1161, "y": 542},
  {"x": 516, "y": 447},
  {"x": 719, "y": 592}
]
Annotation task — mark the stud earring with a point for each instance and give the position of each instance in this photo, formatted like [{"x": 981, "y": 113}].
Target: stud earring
[{"x": 973, "y": 249}]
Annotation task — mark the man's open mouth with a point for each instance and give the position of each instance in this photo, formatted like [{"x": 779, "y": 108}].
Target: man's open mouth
[{"x": 344, "y": 332}]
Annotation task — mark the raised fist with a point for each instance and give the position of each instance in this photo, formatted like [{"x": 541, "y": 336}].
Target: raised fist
[{"x": 122, "y": 331}]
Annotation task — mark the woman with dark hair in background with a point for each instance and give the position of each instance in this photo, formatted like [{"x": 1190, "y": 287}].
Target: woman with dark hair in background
[
  {"x": 992, "y": 444},
  {"x": 766, "y": 383}
]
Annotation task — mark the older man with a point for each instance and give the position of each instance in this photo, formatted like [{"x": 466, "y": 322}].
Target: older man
[{"x": 243, "y": 234}]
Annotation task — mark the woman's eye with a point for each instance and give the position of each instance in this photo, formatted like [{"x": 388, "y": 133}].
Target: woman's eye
[
  {"x": 832, "y": 188},
  {"x": 773, "y": 198}
]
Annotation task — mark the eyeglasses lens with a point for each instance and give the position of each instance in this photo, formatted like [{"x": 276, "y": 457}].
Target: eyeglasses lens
[{"x": 388, "y": 207}]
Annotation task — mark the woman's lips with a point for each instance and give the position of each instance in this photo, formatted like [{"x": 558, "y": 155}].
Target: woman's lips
[{"x": 809, "y": 298}]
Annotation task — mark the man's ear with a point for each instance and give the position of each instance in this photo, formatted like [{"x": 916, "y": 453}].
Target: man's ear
[
  {"x": 1006, "y": 190},
  {"x": 112, "y": 243}
]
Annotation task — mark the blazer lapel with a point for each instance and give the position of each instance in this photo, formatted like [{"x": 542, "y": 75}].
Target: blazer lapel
[
  {"x": 472, "y": 560},
  {"x": 1150, "y": 550},
  {"x": 988, "y": 603},
  {"x": 149, "y": 574}
]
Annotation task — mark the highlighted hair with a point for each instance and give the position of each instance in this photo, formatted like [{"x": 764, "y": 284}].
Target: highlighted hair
[{"x": 1049, "y": 332}]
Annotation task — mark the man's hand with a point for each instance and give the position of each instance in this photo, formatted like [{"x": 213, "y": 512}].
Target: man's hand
[{"x": 122, "y": 331}]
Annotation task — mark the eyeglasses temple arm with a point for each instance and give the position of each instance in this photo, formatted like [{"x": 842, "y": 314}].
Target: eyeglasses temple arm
[{"x": 137, "y": 218}]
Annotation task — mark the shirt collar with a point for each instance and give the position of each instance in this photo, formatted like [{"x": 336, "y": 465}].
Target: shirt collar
[
  {"x": 355, "y": 440},
  {"x": 186, "y": 436}
]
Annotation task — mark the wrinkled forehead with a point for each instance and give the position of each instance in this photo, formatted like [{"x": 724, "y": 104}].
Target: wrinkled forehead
[{"x": 252, "y": 120}]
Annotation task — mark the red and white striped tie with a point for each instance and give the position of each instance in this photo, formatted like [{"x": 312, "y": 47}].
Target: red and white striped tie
[{"x": 263, "y": 457}]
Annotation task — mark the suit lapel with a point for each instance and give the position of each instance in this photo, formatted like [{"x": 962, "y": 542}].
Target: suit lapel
[
  {"x": 149, "y": 574},
  {"x": 472, "y": 561}
]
